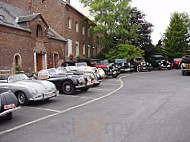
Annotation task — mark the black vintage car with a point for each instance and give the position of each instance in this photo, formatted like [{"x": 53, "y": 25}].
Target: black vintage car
[
  {"x": 140, "y": 64},
  {"x": 159, "y": 62},
  {"x": 124, "y": 65},
  {"x": 68, "y": 83},
  {"x": 8, "y": 104}
]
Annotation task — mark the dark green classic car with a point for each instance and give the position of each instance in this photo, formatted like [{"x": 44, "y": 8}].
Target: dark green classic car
[{"x": 159, "y": 62}]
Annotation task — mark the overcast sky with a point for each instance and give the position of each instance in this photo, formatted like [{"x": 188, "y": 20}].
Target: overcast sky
[{"x": 158, "y": 12}]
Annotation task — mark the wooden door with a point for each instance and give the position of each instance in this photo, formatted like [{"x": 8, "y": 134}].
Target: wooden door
[{"x": 39, "y": 62}]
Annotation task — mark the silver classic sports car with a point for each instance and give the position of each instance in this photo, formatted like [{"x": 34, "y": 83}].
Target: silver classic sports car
[{"x": 27, "y": 90}]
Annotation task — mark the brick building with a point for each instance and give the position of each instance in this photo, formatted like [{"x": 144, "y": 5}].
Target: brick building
[
  {"x": 27, "y": 40},
  {"x": 67, "y": 21}
]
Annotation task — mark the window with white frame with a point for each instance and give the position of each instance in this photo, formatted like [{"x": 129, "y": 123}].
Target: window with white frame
[
  {"x": 83, "y": 49},
  {"x": 83, "y": 30},
  {"x": 69, "y": 47},
  {"x": 69, "y": 22},
  {"x": 77, "y": 48},
  {"x": 77, "y": 26}
]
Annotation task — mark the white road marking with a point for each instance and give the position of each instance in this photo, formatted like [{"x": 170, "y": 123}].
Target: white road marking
[
  {"x": 42, "y": 108},
  {"x": 82, "y": 97},
  {"x": 66, "y": 110}
]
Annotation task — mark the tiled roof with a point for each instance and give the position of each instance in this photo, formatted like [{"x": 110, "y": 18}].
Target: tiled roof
[
  {"x": 13, "y": 17},
  {"x": 27, "y": 18}
]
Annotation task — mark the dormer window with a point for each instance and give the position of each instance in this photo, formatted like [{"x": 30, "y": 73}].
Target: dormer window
[{"x": 38, "y": 31}]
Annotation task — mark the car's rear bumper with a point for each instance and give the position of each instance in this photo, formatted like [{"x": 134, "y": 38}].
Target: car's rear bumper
[{"x": 9, "y": 111}]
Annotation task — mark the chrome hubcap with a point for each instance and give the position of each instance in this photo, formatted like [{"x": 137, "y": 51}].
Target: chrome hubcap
[
  {"x": 21, "y": 98},
  {"x": 67, "y": 88}
]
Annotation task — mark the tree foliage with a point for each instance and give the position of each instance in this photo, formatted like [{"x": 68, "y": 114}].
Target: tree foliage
[
  {"x": 176, "y": 38},
  {"x": 113, "y": 22},
  {"x": 126, "y": 51}
]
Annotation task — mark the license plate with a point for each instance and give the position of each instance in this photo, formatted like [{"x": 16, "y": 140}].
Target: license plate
[
  {"x": 144, "y": 68},
  {"x": 114, "y": 72},
  {"x": 9, "y": 106},
  {"x": 49, "y": 94}
]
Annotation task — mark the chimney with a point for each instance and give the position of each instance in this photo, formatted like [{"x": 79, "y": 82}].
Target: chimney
[{"x": 68, "y": 1}]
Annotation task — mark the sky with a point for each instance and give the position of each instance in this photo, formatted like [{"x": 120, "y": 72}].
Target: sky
[{"x": 158, "y": 12}]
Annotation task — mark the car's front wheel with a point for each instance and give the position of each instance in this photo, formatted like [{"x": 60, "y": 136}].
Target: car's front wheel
[
  {"x": 22, "y": 99},
  {"x": 68, "y": 88}
]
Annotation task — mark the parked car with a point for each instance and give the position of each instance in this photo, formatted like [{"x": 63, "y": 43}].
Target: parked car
[
  {"x": 159, "y": 62},
  {"x": 108, "y": 68},
  {"x": 124, "y": 65},
  {"x": 73, "y": 70},
  {"x": 68, "y": 83},
  {"x": 177, "y": 63},
  {"x": 8, "y": 104},
  {"x": 185, "y": 64},
  {"x": 27, "y": 90},
  {"x": 83, "y": 67},
  {"x": 140, "y": 64}
]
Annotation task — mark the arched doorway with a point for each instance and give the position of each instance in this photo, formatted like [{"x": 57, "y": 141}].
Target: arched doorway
[{"x": 17, "y": 62}]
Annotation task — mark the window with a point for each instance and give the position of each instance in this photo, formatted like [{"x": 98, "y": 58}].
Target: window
[
  {"x": 83, "y": 49},
  {"x": 83, "y": 30},
  {"x": 69, "y": 23},
  {"x": 38, "y": 31},
  {"x": 88, "y": 50},
  {"x": 77, "y": 26},
  {"x": 77, "y": 48},
  {"x": 69, "y": 47},
  {"x": 88, "y": 32}
]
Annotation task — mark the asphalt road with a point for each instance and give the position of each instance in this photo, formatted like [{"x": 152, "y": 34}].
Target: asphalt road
[{"x": 138, "y": 107}]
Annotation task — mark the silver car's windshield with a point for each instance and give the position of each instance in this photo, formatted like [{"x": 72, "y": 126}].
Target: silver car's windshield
[
  {"x": 52, "y": 71},
  {"x": 61, "y": 70},
  {"x": 71, "y": 68},
  {"x": 121, "y": 60},
  {"x": 82, "y": 64},
  {"x": 17, "y": 77}
]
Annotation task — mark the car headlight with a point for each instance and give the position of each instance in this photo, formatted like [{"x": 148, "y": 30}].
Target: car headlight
[
  {"x": 92, "y": 76},
  {"x": 81, "y": 80},
  {"x": 34, "y": 91}
]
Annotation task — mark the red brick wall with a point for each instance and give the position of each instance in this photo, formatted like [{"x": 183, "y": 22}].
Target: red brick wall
[
  {"x": 16, "y": 41},
  {"x": 25, "y": 43},
  {"x": 56, "y": 15}
]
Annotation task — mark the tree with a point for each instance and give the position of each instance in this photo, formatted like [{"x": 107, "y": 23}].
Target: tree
[
  {"x": 144, "y": 31},
  {"x": 126, "y": 51},
  {"x": 177, "y": 37},
  {"x": 112, "y": 18}
]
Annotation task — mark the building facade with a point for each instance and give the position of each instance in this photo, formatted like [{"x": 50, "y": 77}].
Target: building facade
[
  {"x": 26, "y": 40},
  {"x": 66, "y": 21}
]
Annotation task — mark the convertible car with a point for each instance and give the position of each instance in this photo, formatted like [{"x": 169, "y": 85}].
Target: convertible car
[
  {"x": 73, "y": 70},
  {"x": 27, "y": 90},
  {"x": 66, "y": 83},
  {"x": 8, "y": 104},
  {"x": 99, "y": 74}
]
